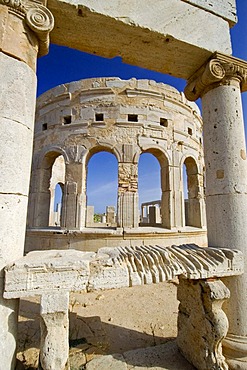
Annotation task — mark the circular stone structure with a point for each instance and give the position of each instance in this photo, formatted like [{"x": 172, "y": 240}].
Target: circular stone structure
[{"x": 126, "y": 118}]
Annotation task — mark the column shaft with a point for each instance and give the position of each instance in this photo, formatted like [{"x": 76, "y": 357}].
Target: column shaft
[
  {"x": 19, "y": 45},
  {"x": 218, "y": 82},
  {"x": 18, "y": 87}
]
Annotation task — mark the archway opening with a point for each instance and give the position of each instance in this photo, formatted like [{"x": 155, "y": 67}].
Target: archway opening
[
  {"x": 56, "y": 191},
  {"x": 149, "y": 187},
  {"x": 102, "y": 185},
  {"x": 57, "y": 205},
  {"x": 190, "y": 191}
]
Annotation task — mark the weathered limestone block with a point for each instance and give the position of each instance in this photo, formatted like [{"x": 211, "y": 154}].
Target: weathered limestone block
[
  {"x": 202, "y": 324},
  {"x": 42, "y": 272},
  {"x": 226, "y": 9},
  {"x": 168, "y": 36}
]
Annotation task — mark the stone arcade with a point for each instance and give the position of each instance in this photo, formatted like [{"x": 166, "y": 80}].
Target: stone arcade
[
  {"x": 126, "y": 118},
  {"x": 167, "y": 36}
]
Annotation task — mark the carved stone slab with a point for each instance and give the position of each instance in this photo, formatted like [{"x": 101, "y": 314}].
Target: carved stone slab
[
  {"x": 47, "y": 272},
  {"x": 69, "y": 270},
  {"x": 129, "y": 266}
]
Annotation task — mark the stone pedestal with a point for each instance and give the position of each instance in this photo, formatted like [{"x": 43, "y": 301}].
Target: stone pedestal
[
  {"x": 202, "y": 324},
  {"x": 219, "y": 83},
  {"x": 22, "y": 36},
  {"x": 54, "y": 325}
]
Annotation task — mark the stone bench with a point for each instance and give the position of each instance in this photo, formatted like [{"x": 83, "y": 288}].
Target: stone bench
[{"x": 202, "y": 325}]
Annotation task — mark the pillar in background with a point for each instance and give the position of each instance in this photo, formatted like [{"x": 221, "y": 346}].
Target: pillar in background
[
  {"x": 219, "y": 83},
  {"x": 24, "y": 30},
  {"x": 74, "y": 199},
  {"x": 128, "y": 199}
]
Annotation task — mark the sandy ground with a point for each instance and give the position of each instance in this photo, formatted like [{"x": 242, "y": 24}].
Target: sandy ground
[{"x": 106, "y": 322}]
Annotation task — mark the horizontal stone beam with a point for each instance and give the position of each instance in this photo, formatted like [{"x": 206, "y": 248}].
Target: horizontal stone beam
[
  {"x": 43, "y": 272},
  {"x": 146, "y": 33}
]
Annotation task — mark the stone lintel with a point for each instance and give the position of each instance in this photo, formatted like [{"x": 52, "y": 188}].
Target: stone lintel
[
  {"x": 223, "y": 8},
  {"x": 147, "y": 36},
  {"x": 54, "y": 272},
  {"x": 220, "y": 69}
]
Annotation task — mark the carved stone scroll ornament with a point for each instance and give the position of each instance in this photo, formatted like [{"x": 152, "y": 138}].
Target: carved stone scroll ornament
[
  {"x": 219, "y": 70},
  {"x": 38, "y": 18}
]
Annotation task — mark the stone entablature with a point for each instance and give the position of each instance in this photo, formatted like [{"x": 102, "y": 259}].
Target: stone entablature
[{"x": 126, "y": 118}]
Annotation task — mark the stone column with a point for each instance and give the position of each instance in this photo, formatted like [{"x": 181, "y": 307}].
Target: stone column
[
  {"x": 74, "y": 199},
  {"x": 23, "y": 34},
  {"x": 54, "y": 325},
  {"x": 166, "y": 197},
  {"x": 219, "y": 83},
  {"x": 128, "y": 214}
]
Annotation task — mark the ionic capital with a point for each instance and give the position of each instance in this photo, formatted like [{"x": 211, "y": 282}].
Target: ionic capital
[
  {"x": 36, "y": 16},
  {"x": 220, "y": 69}
]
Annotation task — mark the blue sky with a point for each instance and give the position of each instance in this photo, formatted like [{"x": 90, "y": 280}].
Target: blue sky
[{"x": 63, "y": 65}]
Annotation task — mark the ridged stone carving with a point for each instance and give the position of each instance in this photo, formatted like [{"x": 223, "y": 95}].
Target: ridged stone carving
[
  {"x": 71, "y": 270},
  {"x": 153, "y": 264}
]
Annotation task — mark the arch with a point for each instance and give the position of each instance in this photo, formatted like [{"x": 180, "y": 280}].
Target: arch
[
  {"x": 160, "y": 153},
  {"x": 44, "y": 189},
  {"x": 192, "y": 206},
  {"x": 165, "y": 182},
  {"x": 106, "y": 183},
  {"x": 150, "y": 203},
  {"x": 101, "y": 148},
  {"x": 56, "y": 205},
  {"x": 57, "y": 179},
  {"x": 47, "y": 154}
]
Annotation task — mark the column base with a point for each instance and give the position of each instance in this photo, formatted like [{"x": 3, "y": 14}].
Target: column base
[{"x": 235, "y": 351}]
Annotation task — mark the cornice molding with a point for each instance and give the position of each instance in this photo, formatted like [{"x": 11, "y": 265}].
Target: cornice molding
[
  {"x": 220, "y": 69},
  {"x": 36, "y": 16}
]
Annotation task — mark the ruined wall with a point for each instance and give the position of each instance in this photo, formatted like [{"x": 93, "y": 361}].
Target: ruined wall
[{"x": 126, "y": 118}]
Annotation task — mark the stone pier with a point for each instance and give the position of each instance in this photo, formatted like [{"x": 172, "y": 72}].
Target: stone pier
[
  {"x": 24, "y": 29},
  {"x": 219, "y": 82}
]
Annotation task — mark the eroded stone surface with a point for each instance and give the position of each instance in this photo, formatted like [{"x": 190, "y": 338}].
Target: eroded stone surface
[
  {"x": 167, "y": 36},
  {"x": 202, "y": 324},
  {"x": 41, "y": 272},
  {"x": 60, "y": 272}
]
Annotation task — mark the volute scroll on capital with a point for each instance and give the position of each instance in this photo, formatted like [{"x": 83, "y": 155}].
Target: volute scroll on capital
[
  {"x": 36, "y": 16},
  {"x": 220, "y": 69}
]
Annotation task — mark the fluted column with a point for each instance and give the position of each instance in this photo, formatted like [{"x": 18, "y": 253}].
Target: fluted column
[
  {"x": 24, "y": 31},
  {"x": 219, "y": 83}
]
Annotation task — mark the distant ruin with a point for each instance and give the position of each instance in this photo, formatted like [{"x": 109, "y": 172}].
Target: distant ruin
[{"x": 126, "y": 118}]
